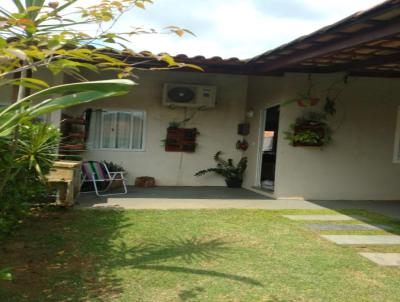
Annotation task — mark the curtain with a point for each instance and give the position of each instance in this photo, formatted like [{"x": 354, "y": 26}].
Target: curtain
[
  {"x": 137, "y": 130},
  {"x": 116, "y": 130},
  {"x": 94, "y": 138},
  {"x": 123, "y": 129},
  {"x": 108, "y": 139}
]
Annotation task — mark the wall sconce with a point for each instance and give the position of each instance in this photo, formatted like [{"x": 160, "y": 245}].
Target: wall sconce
[{"x": 250, "y": 113}]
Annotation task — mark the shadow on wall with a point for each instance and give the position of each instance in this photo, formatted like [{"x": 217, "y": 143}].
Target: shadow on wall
[{"x": 95, "y": 255}]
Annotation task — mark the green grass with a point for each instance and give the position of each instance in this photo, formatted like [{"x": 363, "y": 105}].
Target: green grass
[{"x": 188, "y": 255}]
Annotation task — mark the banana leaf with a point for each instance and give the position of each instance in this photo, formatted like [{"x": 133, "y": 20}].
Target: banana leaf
[{"x": 59, "y": 97}]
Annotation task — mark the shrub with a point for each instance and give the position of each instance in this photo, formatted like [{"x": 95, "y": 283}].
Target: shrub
[{"x": 35, "y": 151}]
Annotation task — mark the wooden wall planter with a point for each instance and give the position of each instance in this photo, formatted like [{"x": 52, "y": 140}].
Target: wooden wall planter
[
  {"x": 181, "y": 140},
  {"x": 73, "y": 134},
  {"x": 318, "y": 129},
  {"x": 74, "y": 147}
]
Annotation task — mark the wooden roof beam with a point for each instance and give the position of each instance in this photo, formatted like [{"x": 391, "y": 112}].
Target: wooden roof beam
[
  {"x": 352, "y": 41},
  {"x": 375, "y": 61}
]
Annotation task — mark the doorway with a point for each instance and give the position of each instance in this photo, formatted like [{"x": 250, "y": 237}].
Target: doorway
[{"x": 269, "y": 148}]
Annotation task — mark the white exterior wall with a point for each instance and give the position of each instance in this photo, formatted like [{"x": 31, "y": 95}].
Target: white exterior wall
[
  {"x": 359, "y": 162},
  {"x": 357, "y": 165},
  {"x": 217, "y": 127}
]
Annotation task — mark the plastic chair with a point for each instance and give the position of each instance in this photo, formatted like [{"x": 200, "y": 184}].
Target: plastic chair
[{"x": 97, "y": 172}]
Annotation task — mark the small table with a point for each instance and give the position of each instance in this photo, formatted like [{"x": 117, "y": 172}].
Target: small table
[{"x": 66, "y": 176}]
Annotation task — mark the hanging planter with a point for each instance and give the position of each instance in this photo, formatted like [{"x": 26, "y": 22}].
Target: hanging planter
[
  {"x": 307, "y": 101},
  {"x": 308, "y": 98},
  {"x": 309, "y": 131}
]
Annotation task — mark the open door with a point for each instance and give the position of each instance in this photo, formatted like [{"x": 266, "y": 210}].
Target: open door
[{"x": 269, "y": 148}]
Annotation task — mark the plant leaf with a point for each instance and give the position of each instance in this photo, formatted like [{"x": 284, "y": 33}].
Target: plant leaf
[{"x": 75, "y": 93}]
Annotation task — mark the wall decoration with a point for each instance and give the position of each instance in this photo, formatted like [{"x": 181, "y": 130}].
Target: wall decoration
[
  {"x": 244, "y": 129},
  {"x": 242, "y": 145},
  {"x": 310, "y": 130},
  {"x": 181, "y": 139}
]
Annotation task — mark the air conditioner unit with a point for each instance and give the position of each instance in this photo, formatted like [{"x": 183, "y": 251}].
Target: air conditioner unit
[{"x": 188, "y": 95}]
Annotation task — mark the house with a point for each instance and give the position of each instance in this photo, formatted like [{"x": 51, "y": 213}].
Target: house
[{"x": 353, "y": 64}]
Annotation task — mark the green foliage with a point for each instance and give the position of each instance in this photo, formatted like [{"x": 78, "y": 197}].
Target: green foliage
[
  {"x": 113, "y": 167},
  {"x": 330, "y": 106},
  {"x": 174, "y": 124},
  {"x": 37, "y": 147},
  {"x": 5, "y": 274},
  {"x": 304, "y": 137},
  {"x": 46, "y": 34},
  {"x": 310, "y": 130},
  {"x": 23, "y": 171},
  {"x": 70, "y": 95},
  {"x": 226, "y": 168}
]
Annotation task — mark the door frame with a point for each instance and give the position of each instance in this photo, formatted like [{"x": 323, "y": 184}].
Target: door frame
[{"x": 263, "y": 120}]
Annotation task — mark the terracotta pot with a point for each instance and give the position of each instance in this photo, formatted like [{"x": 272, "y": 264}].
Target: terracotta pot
[{"x": 309, "y": 102}]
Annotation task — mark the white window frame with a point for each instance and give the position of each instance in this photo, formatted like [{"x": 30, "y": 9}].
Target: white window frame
[
  {"x": 396, "y": 153},
  {"x": 144, "y": 131}
]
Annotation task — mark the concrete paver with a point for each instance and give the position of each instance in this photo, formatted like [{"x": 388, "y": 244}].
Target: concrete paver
[
  {"x": 346, "y": 227},
  {"x": 363, "y": 239},
  {"x": 320, "y": 217},
  {"x": 384, "y": 259}
]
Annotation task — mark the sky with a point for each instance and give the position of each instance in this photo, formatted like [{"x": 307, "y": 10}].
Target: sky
[
  {"x": 231, "y": 28},
  {"x": 236, "y": 28}
]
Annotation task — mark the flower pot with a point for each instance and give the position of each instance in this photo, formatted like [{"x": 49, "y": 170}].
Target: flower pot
[
  {"x": 308, "y": 102},
  {"x": 145, "y": 182},
  {"x": 234, "y": 183}
]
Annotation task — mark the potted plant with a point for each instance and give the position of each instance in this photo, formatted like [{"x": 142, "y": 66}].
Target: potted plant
[
  {"x": 113, "y": 167},
  {"x": 307, "y": 101},
  {"x": 174, "y": 125},
  {"x": 226, "y": 168},
  {"x": 311, "y": 130}
]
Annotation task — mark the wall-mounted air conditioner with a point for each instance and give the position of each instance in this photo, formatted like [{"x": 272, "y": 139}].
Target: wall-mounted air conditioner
[{"x": 188, "y": 95}]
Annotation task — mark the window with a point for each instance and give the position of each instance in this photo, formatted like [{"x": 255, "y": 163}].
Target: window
[
  {"x": 117, "y": 130},
  {"x": 396, "y": 156}
]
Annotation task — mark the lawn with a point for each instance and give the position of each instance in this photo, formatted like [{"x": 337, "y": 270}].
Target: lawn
[{"x": 188, "y": 255}]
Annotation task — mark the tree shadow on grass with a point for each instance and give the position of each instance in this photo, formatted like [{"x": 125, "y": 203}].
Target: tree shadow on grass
[
  {"x": 188, "y": 250},
  {"x": 51, "y": 258},
  {"x": 73, "y": 256}
]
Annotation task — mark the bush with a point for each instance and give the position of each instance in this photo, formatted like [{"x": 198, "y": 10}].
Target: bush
[{"x": 24, "y": 169}]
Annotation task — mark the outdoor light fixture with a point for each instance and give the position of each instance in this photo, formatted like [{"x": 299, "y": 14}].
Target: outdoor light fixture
[{"x": 250, "y": 113}]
